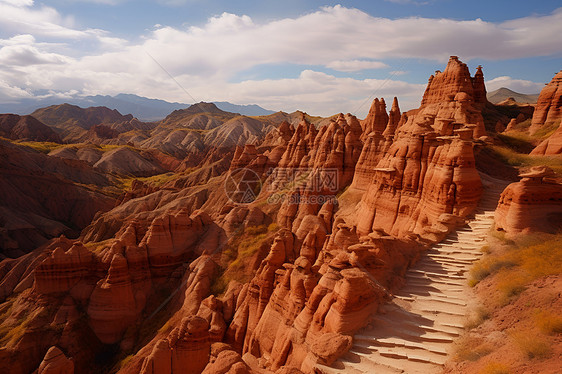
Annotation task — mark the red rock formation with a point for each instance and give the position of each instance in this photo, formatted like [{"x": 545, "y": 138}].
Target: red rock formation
[
  {"x": 16, "y": 127},
  {"x": 55, "y": 362},
  {"x": 227, "y": 361},
  {"x": 170, "y": 239},
  {"x": 453, "y": 97},
  {"x": 550, "y": 146},
  {"x": 185, "y": 350},
  {"x": 112, "y": 306},
  {"x": 549, "y": 104},
  {"x": 419, "y": 179},
  {"x": 377, "y": 119},
  {"x": 62, "y": 270},
  {"x": 38, "y": 200},
  {"x": 532, "y": 204}
]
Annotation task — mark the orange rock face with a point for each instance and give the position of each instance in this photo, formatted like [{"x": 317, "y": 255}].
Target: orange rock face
[
  {"x": 185, "y": 350},
  {"x": 549, "y": 104},
  {"x": 62, "y": 270},
  {"x": 532, "y": 204},
  {"x": 55, "y": 362},
  {"x": 112, "y": 305},
  {"x": 170, "y": 237},
  {"x": 419, "y": 179},
  {"x": 550, "y": 146}
]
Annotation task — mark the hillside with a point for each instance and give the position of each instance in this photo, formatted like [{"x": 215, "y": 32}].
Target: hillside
[
  {"x": 213, "y": 242},
  {"x": 502, "y": 94}
]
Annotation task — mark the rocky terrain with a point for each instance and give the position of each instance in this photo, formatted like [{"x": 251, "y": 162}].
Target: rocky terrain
[{"x": 212, "y": 242}]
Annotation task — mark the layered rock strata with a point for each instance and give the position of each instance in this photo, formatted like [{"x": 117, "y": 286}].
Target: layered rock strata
[{"x": 532, "y": 204}]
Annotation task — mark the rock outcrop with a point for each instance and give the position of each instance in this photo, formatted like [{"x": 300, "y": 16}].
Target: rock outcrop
[
  {"x": 550, "y": 146},
  {"x": 62, "y": 270},
  {"x": 55, "y": 362},
  {"x": 112, "y": 306},
  {"x": 171, "y": 238},
  {"x": 532, "y": 204},
  {"x": 185, "y": 350},
  {"x": 549, "y": 105},
  {"x": 453, "y": 98}
]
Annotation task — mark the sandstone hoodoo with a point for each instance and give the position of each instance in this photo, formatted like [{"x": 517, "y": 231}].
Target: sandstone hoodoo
[
  {"x": 133, "y": 249},
  {"x": 549, "y": 104},
  {"x": 532, "y": 204}
]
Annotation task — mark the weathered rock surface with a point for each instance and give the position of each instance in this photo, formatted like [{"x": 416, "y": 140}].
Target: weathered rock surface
[
  {"x": 171, "y": 238},
  {"x": 532, "y": 204},
  {"x": 549, "y": 105},
  {"x": 550, "y": 146},
  {"x": 42, "y": 197},
  {"x": 112, "y": 306},
  {"x": 15, "y": 127},
  {"x": 62, "y": 270},
  {"x": 185, "y": 350},
  {"x": 55, "y": 362}
]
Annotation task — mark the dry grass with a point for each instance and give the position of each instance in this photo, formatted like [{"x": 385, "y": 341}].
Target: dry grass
[
  {"x": 158, "y": 180},
  {"x": 481, "y": 314},
  {"x": 532, "y": 344},
  {"x": 495, "y": 368},
  {"x": 514, "y": 158},
  {"x": 471, "y": 349},
  {"x": 511, "y": 283},
  {"x": 487, "y": 266},
  {"x": 533, "y": 257},
  {"x": 236, "y": 254},
  {"x": 548, "y": 321},
  {"x": 43, "y": 147}
]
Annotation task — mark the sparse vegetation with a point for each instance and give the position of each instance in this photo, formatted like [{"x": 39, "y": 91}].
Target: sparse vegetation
[
  {"x": 548, "y": 321},
  {"x": 471, "y": 349},
  {"x": 235, "y": 255},
  {"x": 513, "y": 158},
  {"x": 495, "y": 368},
  {"x": 480, "y": 315},
  {"x": 487, "y": 266},
  {"x": 158, "y": 180},
  {"x": 532, "y": 344},
  {"x": 43, "y": 147},
  {"x": 533, "y": 257}
]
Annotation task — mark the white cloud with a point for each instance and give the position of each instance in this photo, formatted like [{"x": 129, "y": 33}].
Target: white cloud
[
  {"x": 25, "y": 55},
  {"x": 517, "y": 85},
  {"x": 18, "y": 3},
  {"x": 206, "y": 59},
  {"x": 398, "y": 72},
  {"x": 355, "y": 65}
]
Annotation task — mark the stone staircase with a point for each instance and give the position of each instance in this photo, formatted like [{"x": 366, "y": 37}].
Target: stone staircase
[{"x": 415, "y": 331}]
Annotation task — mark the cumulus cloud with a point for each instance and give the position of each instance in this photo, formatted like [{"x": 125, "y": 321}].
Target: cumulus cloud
[
  {"x": 25, "y": 55},
  {"x": 355, "y": 65},
  {"x": 205, "y": 60}
]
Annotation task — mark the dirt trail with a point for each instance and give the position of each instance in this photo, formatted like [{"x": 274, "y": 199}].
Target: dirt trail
[{"x": 415, "y": 332}]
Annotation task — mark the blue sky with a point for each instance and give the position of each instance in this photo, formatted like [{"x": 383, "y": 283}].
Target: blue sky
[{"x": 322, "y": 57}]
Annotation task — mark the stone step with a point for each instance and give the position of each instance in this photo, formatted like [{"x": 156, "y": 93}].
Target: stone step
[
  {"x": 369, "y": 362},
  {"x": 415, "y": 330},
  {"x": 443, "y": 274}
]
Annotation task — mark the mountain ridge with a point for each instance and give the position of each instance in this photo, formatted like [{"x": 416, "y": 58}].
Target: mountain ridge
[{"x": 143, "y": 108}]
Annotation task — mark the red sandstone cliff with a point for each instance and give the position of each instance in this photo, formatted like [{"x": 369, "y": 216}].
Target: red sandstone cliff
[
  {"x": 532, "y": 204},
  {"x": 549, "y": 104}
]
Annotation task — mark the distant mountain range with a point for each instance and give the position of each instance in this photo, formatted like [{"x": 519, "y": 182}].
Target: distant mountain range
[
  {"x": 143, "y": 108},
  {"x": 503, "y": 93}
]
